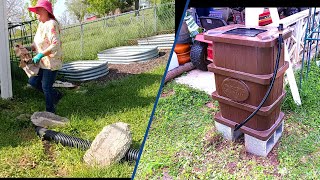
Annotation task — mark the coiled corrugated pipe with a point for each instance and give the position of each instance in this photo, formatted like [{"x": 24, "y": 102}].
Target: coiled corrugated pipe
[
  {"x": 67, "y": 140},
  {"x": 132, "y": 155}
]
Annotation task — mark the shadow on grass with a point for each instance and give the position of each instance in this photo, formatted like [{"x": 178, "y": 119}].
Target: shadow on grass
[{"x": 93, "y": 100}]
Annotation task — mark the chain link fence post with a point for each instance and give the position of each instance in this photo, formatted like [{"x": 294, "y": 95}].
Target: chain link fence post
[
  {"x": 81, "y": 34},
  {"x": 155, "y": 19},
  {"x": 82, "y": 41}
]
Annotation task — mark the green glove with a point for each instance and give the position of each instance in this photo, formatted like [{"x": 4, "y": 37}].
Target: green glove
[{"x": 37, "y": 58}]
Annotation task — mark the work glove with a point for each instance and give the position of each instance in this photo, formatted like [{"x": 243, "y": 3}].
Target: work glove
[{"x": 37, "y": 58}]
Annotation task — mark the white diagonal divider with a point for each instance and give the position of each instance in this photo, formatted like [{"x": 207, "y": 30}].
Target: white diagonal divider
[
  {"x": 5, "y": 69},
  {"x": 290, "y": 75},
  {"x": 291, "y": 79},
  {"x": 252, "y": 18}
]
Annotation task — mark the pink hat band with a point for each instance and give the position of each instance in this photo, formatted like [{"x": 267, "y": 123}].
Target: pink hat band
[{"x": 44, "y": 4}]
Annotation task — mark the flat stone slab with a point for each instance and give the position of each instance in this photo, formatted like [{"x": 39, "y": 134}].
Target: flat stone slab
[
  {"x": 201, "y": 80},
  {"x": 48, "y": 119},
  {"x": 109, "y": 146},
  {"x": 60, "y": 84}
]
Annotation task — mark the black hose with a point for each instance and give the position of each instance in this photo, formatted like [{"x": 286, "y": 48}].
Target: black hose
[
  {"x": 132, "y": 155},
  {"x": 280, "y": 41},
  {"x": 66, "y": 140}
]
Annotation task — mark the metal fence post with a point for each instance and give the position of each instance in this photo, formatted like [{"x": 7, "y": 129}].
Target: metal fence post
[
  {"x": 144, "y": 21},
  {"x": 155, "y": 19},
  {"x": 81, "y": 27}
]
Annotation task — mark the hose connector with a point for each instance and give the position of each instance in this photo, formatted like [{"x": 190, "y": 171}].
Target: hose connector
[{"x": 280, "y": 28}]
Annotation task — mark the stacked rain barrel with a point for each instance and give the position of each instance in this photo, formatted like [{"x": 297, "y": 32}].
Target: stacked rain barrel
[{"x": 244, "y": 63}]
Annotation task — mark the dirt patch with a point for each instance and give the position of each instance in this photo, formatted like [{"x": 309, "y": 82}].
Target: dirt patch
[
  {"x": 271, "y": 159},
  {"x": 211, "y": 138},
  {"x": 166, "y": 94},
  {"x": 166, "y": 175},
  {"x": 62, "y": 172},
  {"x": 26, "y": 162},
  {"x": 26, "y": 134},
  {"x": 210, "y": 105},
  {"x": 214, "y": 140},
  {"x": 48, "y": 150},
  {"x": 232, "y": 166},
  {"x": 182, "y": 154},
  {"x": 240, "y": 139}
]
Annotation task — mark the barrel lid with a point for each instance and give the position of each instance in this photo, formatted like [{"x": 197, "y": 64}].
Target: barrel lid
[{"x": 258, "y": 36}]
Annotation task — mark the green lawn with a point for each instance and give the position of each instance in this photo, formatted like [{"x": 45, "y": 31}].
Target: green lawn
[
  {"x": 183, "y": 143},
  {"x": 90, "y": 108}
]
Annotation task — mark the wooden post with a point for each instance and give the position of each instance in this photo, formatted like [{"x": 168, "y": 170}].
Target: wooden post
[{"x": 5, "y": 68}]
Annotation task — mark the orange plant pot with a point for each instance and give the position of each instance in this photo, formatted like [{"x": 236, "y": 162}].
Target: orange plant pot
[
  {"x": 183, "y": 58},
  {"x": 181, "y": 48}
]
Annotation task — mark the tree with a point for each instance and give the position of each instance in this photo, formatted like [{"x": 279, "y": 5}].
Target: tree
[
  {"x": 15, "y": 11},
  {"x": 78, "y": 8},
  {"x": 102, "y": 7},
  {"x": 65, "y": 18},
  {"x": 126, "y": 4},
  {"x": 136, "y": 7},
  {"x": 166, "y": 9}
]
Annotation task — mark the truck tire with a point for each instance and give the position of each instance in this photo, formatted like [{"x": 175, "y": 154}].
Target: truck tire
[{"x": 198, "y": 55}]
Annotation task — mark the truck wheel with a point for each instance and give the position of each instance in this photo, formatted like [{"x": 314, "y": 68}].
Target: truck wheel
[{"x": 198, "y": 55}]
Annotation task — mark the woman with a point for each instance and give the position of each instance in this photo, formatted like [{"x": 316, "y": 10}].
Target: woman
[{"x": 47, "y": 44}]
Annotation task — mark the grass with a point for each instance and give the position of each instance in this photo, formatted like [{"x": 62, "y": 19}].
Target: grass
[
  {"x": 112, "y": 32},
  {"x": 184, "y": 144},
  {"x": 90, "y": 108}
]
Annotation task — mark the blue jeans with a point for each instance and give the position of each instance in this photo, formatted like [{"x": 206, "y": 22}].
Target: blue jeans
[{"x": 44, "y": 82}]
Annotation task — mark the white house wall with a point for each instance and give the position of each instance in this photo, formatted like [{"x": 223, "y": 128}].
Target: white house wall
[{"x": 5, "y": 68}]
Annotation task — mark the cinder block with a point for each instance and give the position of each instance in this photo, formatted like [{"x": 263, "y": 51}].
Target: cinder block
[
  {"x": 262, "y": 148},
  {"x": 227, "y": 131}
]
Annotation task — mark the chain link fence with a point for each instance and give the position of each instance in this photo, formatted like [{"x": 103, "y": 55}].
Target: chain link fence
[
  {"x": 21, "y": 33},
  {"x": 84, "y": 41}
]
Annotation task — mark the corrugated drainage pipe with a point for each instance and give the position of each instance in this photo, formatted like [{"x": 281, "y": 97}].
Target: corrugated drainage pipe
[{"x": 67, "y": 140}]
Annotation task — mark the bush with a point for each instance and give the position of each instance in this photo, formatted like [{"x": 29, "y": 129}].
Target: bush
[{"x": 165, "y": 10}]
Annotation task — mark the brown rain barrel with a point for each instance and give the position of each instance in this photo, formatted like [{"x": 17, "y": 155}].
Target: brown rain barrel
[{"x": 244, "y": 62}]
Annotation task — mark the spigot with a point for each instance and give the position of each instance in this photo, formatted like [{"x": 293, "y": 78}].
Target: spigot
[{"x": 280, "y": 27}]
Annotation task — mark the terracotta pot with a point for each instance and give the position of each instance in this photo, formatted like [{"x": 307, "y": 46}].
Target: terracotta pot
[
  {"x": 183, "y": 58},
  {"x": 182, "y": 48}
]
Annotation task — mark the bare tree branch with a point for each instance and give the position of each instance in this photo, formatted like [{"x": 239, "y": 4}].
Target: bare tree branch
[{"x": 14, "y": 11}]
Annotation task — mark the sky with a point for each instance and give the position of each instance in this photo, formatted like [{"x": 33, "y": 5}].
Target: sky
[{"x": 59, "y": 7}]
